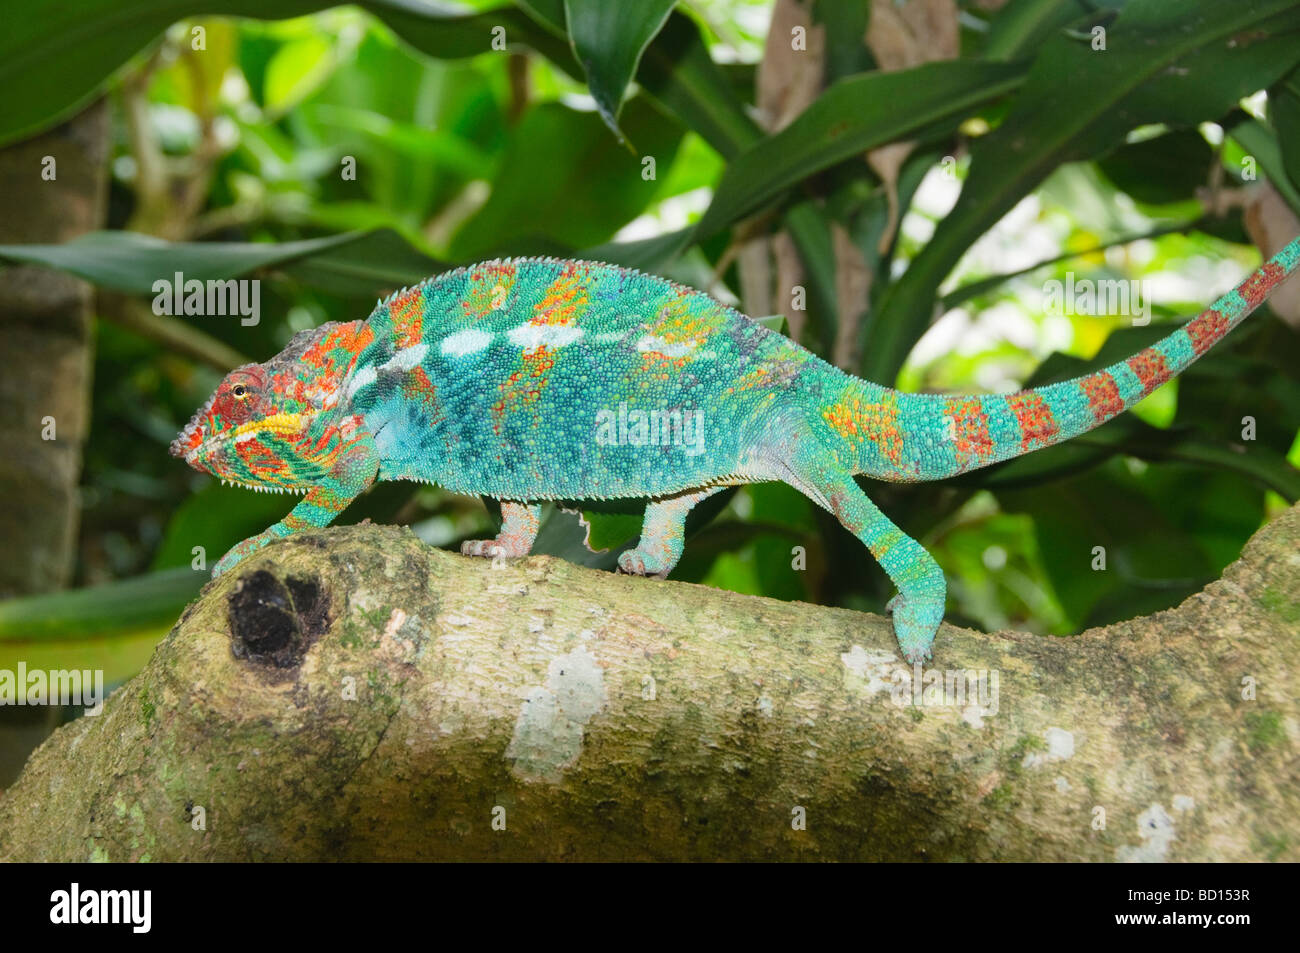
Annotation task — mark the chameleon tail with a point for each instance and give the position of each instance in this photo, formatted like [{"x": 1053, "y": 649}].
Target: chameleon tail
[
  {"x": 1052, "y": 414},
  {"x": 993, "y": 428}
]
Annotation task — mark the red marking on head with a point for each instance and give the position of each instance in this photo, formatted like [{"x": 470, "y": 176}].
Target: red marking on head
[
  {"x": 1205, "y": 329},
  {"x": 1038, "y": 428},
  {"x": 1256, "y": 288},
  {"x": 1103, "y": 395},
  {"x": 1151, "y": 369}
]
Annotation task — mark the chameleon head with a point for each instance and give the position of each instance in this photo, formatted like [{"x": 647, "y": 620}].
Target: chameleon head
[{"x": 272, "y": 426}]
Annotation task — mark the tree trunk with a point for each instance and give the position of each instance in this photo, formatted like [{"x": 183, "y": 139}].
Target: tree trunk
[
  {"x": 352, "y": 694},
  {"x": 54, "y": 187}
]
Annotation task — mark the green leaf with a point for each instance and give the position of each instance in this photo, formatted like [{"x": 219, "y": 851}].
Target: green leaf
[
  {"x": 1261, "y": 145},
  {"x": 855, "y": 115},
  {"x": 35, "y": 44},
  {"x": 296, "y": 70},
  {"x": 1175, "y": 63},
  {"x": 114, "y": 608},
  {"x": 132, "y": 262},
  {"x": 1168, "y": 168},
  {"x": 1022, "y": 25},
  {"x": 678, "y": 72},
  {"x": 608, "y": 39},
  {"x": 1284, "y": 110},
  {"x": 563, "y": 179}
]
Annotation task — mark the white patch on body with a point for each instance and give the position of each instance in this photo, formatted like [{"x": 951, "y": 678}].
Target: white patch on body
[
  {"x": 651, "y": 342},
  {"x": 359, "y": 380},
  {"x": 406, "y": 358},
  {"x": 462, "y": 343},
  {"x": 532, "y": 336}
]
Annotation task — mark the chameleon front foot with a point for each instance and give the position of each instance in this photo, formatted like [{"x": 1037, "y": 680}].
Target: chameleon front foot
[
  {"x": 916, "y": 620},
  {"x": 241, "y": 550}
]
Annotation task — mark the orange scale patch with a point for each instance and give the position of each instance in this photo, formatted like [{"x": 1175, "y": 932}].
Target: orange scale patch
[
  {"x": 1151, "y": 369},
  {"x": 1103, "y": 395},
  {"x": 1256, "y": 288},
  {"x": 1038, "y": 426},
  {"x": 407, "y": 315},
  {"x": 488, "y": 290},
  {"x": 875, "y": 422},
  {"x": 971, "y": 438},
  {"x": 565, "y": 300},
  {"x": 1205, "y": 329}
]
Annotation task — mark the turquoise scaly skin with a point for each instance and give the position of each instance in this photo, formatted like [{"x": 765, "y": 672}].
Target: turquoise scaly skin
[{"x": 537, "y": 379}]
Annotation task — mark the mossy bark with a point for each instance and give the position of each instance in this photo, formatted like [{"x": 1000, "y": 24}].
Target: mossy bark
[{"x": 352, "y": 694}]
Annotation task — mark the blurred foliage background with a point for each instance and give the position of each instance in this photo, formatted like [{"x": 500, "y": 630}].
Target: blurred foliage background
[{"x": 895, "y": 182}]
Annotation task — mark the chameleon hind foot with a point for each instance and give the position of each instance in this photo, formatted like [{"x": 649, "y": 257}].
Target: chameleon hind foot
[
  {"x": 519, "y": 524},
  {"x": 918, "y": 607},
  {"x": 640, "y": 562},
  {"x": 916, "y": 620}
]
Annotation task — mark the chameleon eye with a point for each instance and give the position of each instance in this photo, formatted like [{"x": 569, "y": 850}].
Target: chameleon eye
[{"x": 239, "y": 391}]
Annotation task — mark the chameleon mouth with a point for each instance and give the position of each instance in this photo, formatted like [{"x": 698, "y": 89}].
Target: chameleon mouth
[
  {"x": 264, "y": 487},
  {"x": 190, "y": 442},
  {"x": 278, "y": 424}
]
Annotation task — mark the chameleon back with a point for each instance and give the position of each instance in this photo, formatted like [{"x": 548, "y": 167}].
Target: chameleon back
[{"x": 543, "y": 379}]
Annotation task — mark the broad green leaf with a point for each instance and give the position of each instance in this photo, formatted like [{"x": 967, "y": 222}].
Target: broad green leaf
[
  {"x": 1262, "y": 146},
  {"x": 678, "y": 71},
  {"x": 565, "y": 180},
  {"x": 119, "y": 655},
  {"x": 295, "y": 70},
  {"x": 216, "y": 518},
  {"x": 353, "y": 262},
  {"x": 1174, "y": 63},
  {"x": 115, "y": 608},
  {"x": 1168, "y": 168},
  {"x": 608, "y": 40},
  {"x": 35, "y": 45},
  {"x": 1022, "y": 25},
  {"x": 1284, "y": 111},
  {"x": 132, "y": 262},
  {"x": 855, "y": 115}
]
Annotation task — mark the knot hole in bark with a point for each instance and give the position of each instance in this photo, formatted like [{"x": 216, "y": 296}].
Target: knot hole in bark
[{"x": 274, "y": 622}]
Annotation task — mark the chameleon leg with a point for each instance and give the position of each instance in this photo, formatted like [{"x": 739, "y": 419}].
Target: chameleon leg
[
  {"x": 519, "y": 523},
  {"x": 918, "y": 607},
  {"x": 663, "y": 533},
  {"x": 355, "y": 471}
]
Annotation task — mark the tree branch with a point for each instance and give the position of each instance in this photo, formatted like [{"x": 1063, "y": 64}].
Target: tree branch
[{"x": 353, "y": 694}]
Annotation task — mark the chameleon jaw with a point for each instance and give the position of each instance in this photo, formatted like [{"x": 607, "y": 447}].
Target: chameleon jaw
[{"x": 276, "y": 423}]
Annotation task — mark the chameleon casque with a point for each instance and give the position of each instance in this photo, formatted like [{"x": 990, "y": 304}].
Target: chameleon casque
[{"x": 539, "y": 379}]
